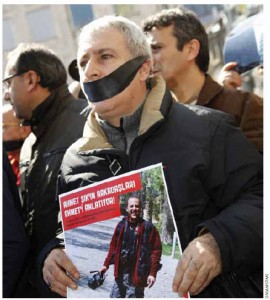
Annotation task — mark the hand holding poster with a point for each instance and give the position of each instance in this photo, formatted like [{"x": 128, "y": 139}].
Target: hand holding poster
[{"x": 120, "y": 232}]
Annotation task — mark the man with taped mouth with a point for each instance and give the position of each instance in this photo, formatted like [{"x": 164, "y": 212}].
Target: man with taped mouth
[{"x": 214, "y": 175}]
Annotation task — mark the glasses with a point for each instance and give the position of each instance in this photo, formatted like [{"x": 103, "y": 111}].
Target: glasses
[{"x": 6, "y": 81}]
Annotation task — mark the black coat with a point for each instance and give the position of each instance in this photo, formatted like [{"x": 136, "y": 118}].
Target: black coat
[
  {"x": 56, "y": 123},
  {"x": 15, "y": 240},
  {"x": 214, "y": 178}
]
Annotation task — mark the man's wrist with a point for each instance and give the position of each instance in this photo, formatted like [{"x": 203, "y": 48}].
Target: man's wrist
[{"x": 209, "y": 240}]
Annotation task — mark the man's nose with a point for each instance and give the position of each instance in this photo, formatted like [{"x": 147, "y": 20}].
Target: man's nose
[
  {"x": 92, "y": 71},
  {"x": 6, "y": 95},
  {"x": 155, "y": 61}
]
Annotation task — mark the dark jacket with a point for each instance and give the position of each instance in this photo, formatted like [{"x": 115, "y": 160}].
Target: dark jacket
[
  {"x": 245, "y": 107},
  {"x": 15, "y": 240},
  {"x": 56, "y": 124},
  {"x": 147, "y": 257},
  {"x": 213, "y": 174}
]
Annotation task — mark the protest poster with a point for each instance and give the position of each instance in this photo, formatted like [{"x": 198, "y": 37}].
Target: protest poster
[{"x": 90, "y": 216}]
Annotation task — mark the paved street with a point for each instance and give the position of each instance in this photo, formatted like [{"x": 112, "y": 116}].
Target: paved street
[{"x": 89, "y": 249}]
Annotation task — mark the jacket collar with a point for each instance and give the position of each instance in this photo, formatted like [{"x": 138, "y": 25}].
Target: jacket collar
[
  {"x": 46, "y": 112},
  {"x": 153, "y": 111},
  {"x": 209, "y": 90}
]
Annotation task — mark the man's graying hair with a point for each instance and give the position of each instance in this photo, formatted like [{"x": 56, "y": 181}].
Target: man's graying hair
[
  {"x": 135, "y": 38},
  {"x": 186, "y": 27},
  {"x": 42, "y": 60}
]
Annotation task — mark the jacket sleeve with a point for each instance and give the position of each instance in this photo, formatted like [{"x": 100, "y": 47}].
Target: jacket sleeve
[
  {"x": 15, "y": 239},
  {"x": 156, "y": 250},
  {"x": 252, "y": 120},
  {"x": 112, "y": 250},
  {"x": 57, "y": 242},
  {"x": 235, "y": 184}
]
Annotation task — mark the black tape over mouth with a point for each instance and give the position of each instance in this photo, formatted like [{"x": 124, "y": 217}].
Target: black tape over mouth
[{"x": 114, "y": 83}]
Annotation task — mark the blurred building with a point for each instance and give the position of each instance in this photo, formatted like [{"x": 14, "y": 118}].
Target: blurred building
[{"x": 57, "y": 26}]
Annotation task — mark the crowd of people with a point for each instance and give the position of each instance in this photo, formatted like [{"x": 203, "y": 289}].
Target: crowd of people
[{"x": 148, "y": 99}]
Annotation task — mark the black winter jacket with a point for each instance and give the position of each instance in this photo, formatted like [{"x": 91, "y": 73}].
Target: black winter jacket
[
  {"x": 214, "y": 178},
  {"x": 15, "y": 240},
  {"x": 56, "y": 123}
]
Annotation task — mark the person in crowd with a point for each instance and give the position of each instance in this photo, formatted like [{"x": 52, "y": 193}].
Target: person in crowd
[
  {"x": 229, "y": 77},
  {"x": 213, "y": 173},
  {"x": 13, "y": 137},
  {"x": 180, "y": 49},
  {"x": 251, "y": 81},
  {"x": 15, "y": 240},
  {"x": 135, "y": 250},
  {"x": 36, "y": 87},
  {"x": 244, "y": 61}
]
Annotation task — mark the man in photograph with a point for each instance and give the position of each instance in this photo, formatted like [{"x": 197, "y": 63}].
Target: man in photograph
[{"x": 135, "y": 250}]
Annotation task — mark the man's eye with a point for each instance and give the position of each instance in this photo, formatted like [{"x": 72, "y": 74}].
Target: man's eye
[
  {"x": 156, "y": 48},
  {"x": 106, "y": 56},
  {"x": 82, "y": 65}
]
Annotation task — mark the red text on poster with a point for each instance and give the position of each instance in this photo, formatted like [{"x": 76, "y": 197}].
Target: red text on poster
[{"x": 96, "y": 203}]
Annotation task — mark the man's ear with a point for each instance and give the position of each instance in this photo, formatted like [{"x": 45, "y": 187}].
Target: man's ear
[
  {"x": 145, "y": 70},
  {"x": 33, "y": 80},
  {"x": 192, "y": 48}
]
